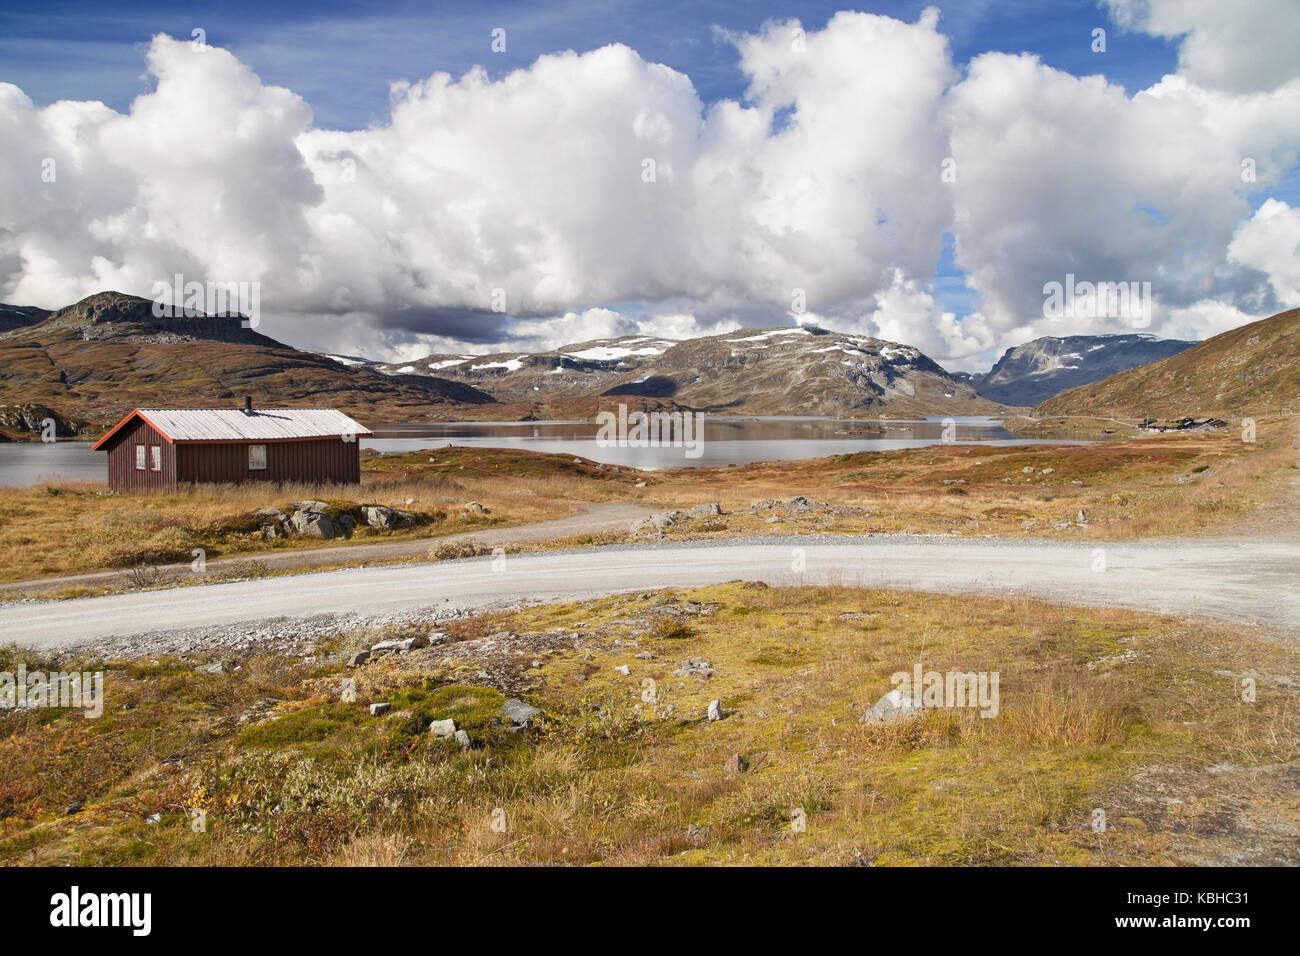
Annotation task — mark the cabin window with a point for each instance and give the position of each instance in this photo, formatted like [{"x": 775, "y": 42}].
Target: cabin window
[
  {"x": 139, "y": 457},
  {"x": 155, "y": 457},
  {"x": 257, "y": 458}
]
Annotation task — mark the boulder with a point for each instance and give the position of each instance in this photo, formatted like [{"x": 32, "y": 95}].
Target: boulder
[
  {"x": 398, "y": 645},
  {"x": 657, "y": 522},
  {"x": 475, "y": 508},
  {"x": 315, "y": 507},
  {"x": 893, "y": 706},
  {"x": 442, "y": 729},
  {"x": 715, "y": 709},
  {"x": 315, "y": 524},
  {"x": 381, "y": 516},
  {"x": 379, "y": 709},
  {"x": 462, "y": 738},
  {"x": 359, "y": 658},
  {"x": 705, "y": 510},
  {"x": 518, "y": 712}
]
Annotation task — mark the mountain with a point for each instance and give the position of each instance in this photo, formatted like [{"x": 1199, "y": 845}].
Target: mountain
[
  {"x": 94, "y": 360},
  {"x": 19, "y": 316},
  {"x": 800, "y": 370},
  {"x": 1254, "y": 369},
  {"x": 1032, "y": 373},
  {"x": 580, "y": 370},
  {"x": 108, "y": 353}
]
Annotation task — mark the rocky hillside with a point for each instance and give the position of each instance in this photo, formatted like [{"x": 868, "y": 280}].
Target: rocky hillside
[
  {"x": 784, "y": 371},
  {"x": 18, "y": 316},
  {"x": 1032, "y": 373},
  {"x": 1251, "y": 370},
  {"x": 114, "y": 317},
  {"x": 99, "y": 358}
]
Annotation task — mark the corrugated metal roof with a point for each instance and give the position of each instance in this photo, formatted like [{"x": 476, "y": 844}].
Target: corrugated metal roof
[{"x": 265, "y": 424}]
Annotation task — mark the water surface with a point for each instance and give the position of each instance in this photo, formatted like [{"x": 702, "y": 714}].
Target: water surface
[{"x": 726, "y": 441}]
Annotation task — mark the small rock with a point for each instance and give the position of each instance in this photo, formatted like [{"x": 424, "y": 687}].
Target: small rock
[
  {"x": 694, "y": 667},
  {"x": 153, "y": 818},
  {"x": 72, "y": 809},
  {"x": 715, "y": 709},
  {"x": 639, "y": 484},
  {"x": 217, "y": 668},
  {"x": 1027, "y": 470},
  {"x": 462, "y": 738},
  {"x": 443, "y": 728},
  {"x": 705, "y": 510},
  {"x": 736, "y": 763},
  {"x": 380, "y": 708},
  {"x": 622, "y": 669},
  {"x": 359, "y": 658}
]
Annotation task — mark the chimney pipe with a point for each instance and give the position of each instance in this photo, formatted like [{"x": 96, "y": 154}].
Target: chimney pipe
[{"x": 248, "y": 404}]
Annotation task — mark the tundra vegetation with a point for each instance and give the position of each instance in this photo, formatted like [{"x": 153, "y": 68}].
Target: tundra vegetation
[{"x": 1141, "y": 717}]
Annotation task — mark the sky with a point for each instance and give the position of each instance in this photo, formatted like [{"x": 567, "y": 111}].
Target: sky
[{"x": 401, "y": 179}]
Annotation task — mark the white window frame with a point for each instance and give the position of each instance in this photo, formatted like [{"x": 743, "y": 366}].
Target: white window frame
[
  {"x": 253, "y": 458},
  {"x": 140, "y": 457},
  {"x": 155, "y": 457}
]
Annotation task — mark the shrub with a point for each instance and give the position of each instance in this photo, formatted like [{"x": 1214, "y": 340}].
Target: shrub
[{"x": 451, "y": 550}]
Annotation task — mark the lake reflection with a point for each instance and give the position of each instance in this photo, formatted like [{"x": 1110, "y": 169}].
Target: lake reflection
[{"x": 727, "y": 441}]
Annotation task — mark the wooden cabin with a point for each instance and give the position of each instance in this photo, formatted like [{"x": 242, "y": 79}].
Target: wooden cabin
[{"x": 155, "y": 449}]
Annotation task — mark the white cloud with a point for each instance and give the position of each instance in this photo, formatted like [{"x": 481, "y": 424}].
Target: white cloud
[
  {"x": 1226, "y": 45},
  {"x": 1270, "y": 241},
  {"x": 393, "y": 240}
]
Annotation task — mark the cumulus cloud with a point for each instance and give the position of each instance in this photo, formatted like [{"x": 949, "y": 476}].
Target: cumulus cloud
[
  {"x": 1231, "y": 46},
  {"x": 520, "y": 212},
  {"x": 1270, "y": 241}
]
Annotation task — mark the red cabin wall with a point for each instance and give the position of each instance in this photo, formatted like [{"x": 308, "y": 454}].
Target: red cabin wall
[
  {"x": 315, "y": 460},
  {"x": 122, "y": 473}
]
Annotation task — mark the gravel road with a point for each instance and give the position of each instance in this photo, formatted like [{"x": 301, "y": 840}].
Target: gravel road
[{"x": 1236, "y": 580}]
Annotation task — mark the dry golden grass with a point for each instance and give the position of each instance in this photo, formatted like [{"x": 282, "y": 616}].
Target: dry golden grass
[
  {"x": 1139, "y": 716},
  {"x": 67, "y": 528}
]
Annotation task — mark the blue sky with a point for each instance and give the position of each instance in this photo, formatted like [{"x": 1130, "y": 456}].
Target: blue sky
[{"x": 342, "y": 56}]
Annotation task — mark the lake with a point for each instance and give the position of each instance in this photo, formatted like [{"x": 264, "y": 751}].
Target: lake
[{"x": 725, "y": 441}]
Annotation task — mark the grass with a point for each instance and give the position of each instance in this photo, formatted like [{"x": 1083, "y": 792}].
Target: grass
[
  {"x": 1136, "y": 715},
  {"x": 70, "y": 528}
]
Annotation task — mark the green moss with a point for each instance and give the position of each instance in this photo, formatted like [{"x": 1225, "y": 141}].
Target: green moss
[{"x": 311, "y": 724}]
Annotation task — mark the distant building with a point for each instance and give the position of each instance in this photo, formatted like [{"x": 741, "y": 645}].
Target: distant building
[{"x": 155, "y": 449}]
